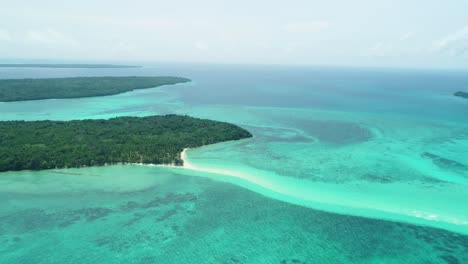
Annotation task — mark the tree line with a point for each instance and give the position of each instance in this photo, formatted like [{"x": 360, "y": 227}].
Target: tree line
[
  {"x": 38, "y": 145},
  {"x": 77, "y": 87}
]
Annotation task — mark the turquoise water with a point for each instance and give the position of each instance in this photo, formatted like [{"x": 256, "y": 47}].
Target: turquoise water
[{"x": 346, "y": 166}]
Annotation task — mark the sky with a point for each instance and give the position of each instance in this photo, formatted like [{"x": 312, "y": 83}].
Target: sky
[{"x": 382, "y": 33}]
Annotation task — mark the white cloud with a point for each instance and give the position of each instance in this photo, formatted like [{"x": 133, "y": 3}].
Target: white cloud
[
  {"x": 306, "y": 26},
  {"x": 135, "y": 23},
  {"x": 200, "y": 45},
  {"x": 456, "y": 43},
  {"x": 289, "y": 49},
  {"x": 406, "y": 36},
  {"x": 5, "y": 35},
  {"x": 380, "y": 49},
  {"x": 49, "y": 37},
  {"x": 393, "y": 47},
  {"x": 122, "y": 47}
]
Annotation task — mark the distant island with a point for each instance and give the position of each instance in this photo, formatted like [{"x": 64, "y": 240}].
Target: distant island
[
  {"x": 44, "y": 65},
  {"x": 38, "y": 145},
  {"x": 461, "y": 94},
  {"x": 59, "y": 88}
]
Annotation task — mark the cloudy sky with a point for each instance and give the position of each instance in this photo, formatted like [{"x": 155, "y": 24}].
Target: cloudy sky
[{"x": 389, "y": 33}]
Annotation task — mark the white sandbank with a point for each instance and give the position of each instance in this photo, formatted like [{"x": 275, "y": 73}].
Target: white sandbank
[{"x": 319, "y": 198}]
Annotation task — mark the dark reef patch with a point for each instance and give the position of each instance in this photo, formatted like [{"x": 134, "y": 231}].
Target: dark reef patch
[
  {"x": 279, "y": 134},
  {"x": 450, "y": 259},
  {"x": 377, "y": 178},
  {"x": 220, "y": 224},
  {"x": 444, "y": 162},
  {"x": 168, "y": 214},
  {"x": 92, "y": 214},
  {"x": 358, "y": 239},
  {"x": 461, "y": 94},
  {"x": 170, "y": 199},
  {"x": 292, "y": 261},
  {"x": 36, "y": 219},
  {"x": 39, "y": 219},
  {"x": 335, "y": 132},
  {"x": 164, "y": 207}
]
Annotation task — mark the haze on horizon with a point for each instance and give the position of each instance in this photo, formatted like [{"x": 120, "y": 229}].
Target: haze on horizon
[{"x": 384, "y": 33}]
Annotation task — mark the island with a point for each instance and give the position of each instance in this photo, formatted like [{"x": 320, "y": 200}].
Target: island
[
  {"x": 59, "y": 88},
  {"x": 72, "y": 66},
  {"x": 39, "y": 145},
  {"x": 461, "y": 94}
]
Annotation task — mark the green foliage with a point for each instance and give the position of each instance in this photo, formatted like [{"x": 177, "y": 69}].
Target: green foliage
[
  {"x": 36, "y": 145},
  {"x": 37, "y": 89},
  {"x": 461, "y": 94}
]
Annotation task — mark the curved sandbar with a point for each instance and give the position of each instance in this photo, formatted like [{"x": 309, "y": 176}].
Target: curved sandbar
[
  {"x": 325, "y": 197},
  {"x": 12, "y": 90}
]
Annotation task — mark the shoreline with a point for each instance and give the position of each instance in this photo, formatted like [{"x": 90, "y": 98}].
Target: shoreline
[
  {"x": 274, "y": 189},
  {"x": 183, "y": 157},
  {"x": 185, "y": 163},
  {"x": 315, "y": 199}
]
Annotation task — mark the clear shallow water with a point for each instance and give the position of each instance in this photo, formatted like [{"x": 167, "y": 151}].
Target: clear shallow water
[
  {"x": 385, "y": 145},
  {"x": 137, "y": 214}
]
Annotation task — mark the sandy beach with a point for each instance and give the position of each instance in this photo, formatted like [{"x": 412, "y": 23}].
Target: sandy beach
[{"x": 183, "y": 157}]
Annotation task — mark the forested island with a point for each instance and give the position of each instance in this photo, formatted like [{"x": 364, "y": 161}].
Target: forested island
[
  {"x": 461, "y": 94},
  {"x": 38, "y": 145},
  {"x": 77, "y": 87},
  {"x": 46, "y": 65}
]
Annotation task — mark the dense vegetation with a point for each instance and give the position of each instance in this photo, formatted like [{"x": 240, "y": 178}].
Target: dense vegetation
[
  {"x": 37, "y": 65},
  {"x": 461, "y": 94},
  {"x": 36, "y": 145},
  {"x": 55, "y": 88}
]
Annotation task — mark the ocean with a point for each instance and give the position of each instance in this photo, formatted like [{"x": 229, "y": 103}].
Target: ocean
[{"x": 347, "y": 165}]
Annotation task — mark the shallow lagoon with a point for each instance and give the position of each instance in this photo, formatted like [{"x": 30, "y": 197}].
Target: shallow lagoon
[{"x": 346, "y": 141}]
